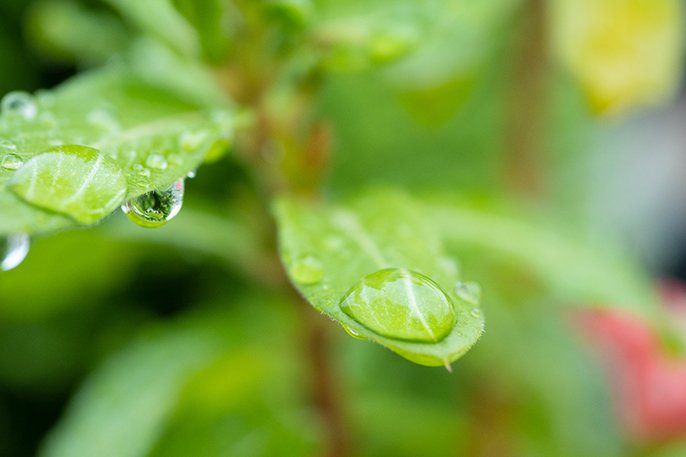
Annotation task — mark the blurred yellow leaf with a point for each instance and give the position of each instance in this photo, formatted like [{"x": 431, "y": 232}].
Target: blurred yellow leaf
[{"x": 626, "y": 53}]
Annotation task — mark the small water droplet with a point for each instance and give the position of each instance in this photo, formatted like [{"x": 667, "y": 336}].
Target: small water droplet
[
  {"x": 175, "y": 160},
  {"x": 11, "y": 162},
  {"x": 307, "y": 270},
  {"x": 141, "y": 170},
  {"x": 156, "y": 161},
  {"x": 192, "y": 174},
  {"x": 7, "y": 146},
  {"x": 13, "y": 250},
  {"x": 353, "y": 333},
  {"x": 400, "y": 304},
  {"x": 468, "y": 291},
  {"x": 157, "y": 207},
  {"x": 19, "y": 104},
  {"x": 191, "y": 141},
  {"x": 475, "y": 312}
]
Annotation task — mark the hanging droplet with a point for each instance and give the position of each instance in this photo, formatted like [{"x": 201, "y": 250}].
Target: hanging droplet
[
  {"x": 468, "y": 291},
  {"x": 157, "y": 207},
  {"x": 19, "y": 104},
  {"x": 353, "y": 333},
  {"x": 401, "y": 304},
  {"x": 156, "y": 161},
  {"x": 307, "y": 270},
  {"x": 192, "y": 174},
  {"x": 11, "y": 162},
  {"x": 13, "y": 250}
]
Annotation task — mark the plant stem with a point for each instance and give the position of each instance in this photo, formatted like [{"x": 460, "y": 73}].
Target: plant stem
[
  {"x": 526, "y": 116},
  {"x": 324, "y": 386}
]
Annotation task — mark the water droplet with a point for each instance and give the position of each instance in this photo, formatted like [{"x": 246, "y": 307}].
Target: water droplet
[
  {"x": 156, "y": 161},
  {"x": 19, "y": 104},
  {"x": 157, "y": 207},
  {"x": 468, "y": 291},
  {"x": 13, "y": 250},
  {"x": 307, "y": 270},
  {"x": 192, "y": 174},
  {"x": 353, "y": 333},
  {"x": 141, "y": 170},
  {"x": 191, "y": 141},
  {"x": 11, "y": 162},
  {"x": 175, "y": 160},
  {"x": 7, "y": 146},
  {"x": 475, "y": 312},
  {"x": 400, "y": 304}
]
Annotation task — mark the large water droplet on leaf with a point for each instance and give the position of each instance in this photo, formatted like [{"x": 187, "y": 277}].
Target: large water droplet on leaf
[
  {"x": 20, "y": 104},
  {"x": 74, "y": 180},
  {"x": 11, "y": 162},
  {"x": 307, "y": 270},
  {"x": 13, "y": 250},
  {"x": 156, "y": 208},
  {"x": 401, "y": 304}
]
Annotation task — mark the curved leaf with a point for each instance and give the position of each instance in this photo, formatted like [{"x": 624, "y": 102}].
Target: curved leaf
[
  {"x": 149, "y": 135},
  {"x": 377, "y": 268}
]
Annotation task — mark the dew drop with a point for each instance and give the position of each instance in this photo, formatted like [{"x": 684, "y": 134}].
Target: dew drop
[
  {"x": 307, "y": 270},
  {"x": 156, "y": 161},
  {"x": 141, "y": 170},
  {"x": 19, "y": 104},
  {"x": 191, "y": 141},
  {"x": 175, "y": 160},
  {"x": 353, "y": 333},
  {"x": 13, "y": 250},
  {"x": 11, "y": 162},
  {"x": 400, "y": 304},
  {"x": 468, "y": 291},
  {"x": 192, "y": 174},
  {"x": 157, "y": 207},
  {"x": 7, "y": 146}
]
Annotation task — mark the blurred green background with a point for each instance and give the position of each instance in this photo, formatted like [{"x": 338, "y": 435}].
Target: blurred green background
[{"x": 555, "y": 131}]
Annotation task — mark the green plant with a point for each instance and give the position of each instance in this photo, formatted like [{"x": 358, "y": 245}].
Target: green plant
[{"x": 374, "y": 159}]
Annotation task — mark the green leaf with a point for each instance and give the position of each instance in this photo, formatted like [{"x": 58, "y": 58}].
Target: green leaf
[
  {"x": 209, "y": 17},
  {"x": 376, "y": 267},
  {"x": 87, "y": 184},
  {"x": 355, "y": 35},
  {"x": 159, "y": 18},
  {"x": 75, "y": 153},
  {"x": 68, "y": 31},
  {"x": 122, "y": 408}
]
